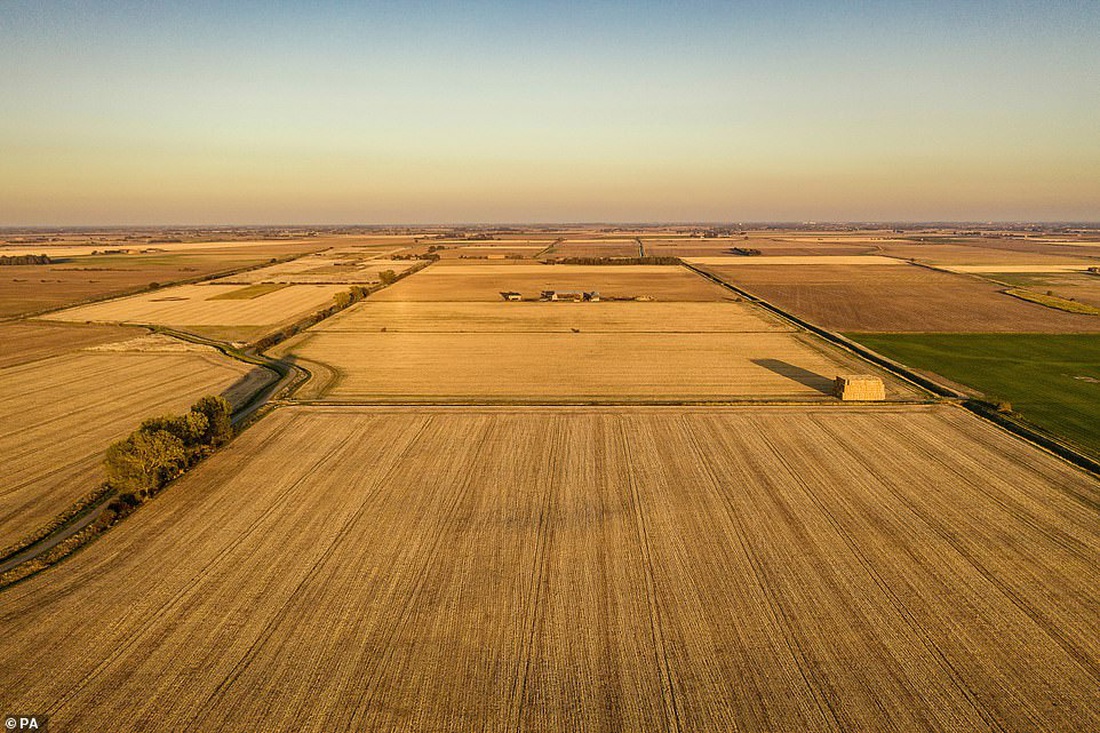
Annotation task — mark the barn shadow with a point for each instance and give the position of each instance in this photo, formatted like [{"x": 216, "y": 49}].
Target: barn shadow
[{"x": 805, "y": 377}]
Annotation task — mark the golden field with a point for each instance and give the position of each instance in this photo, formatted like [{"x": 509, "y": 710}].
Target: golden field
[
  {"x": 810, "y": 569},
  {"x": 458, "y": 280},
  {"x": 186, "y": 306},
  {"x": 58, "y": 415}
]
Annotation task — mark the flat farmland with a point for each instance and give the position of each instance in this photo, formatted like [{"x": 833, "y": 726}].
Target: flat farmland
[
  {"x": 904, "y": 298},
  {"x": 401, "y": 351},
  {"x": 1053, "y": 380},
  {"x": 200, "y": 305},
  {"x": 720, "y": 247},
  {"x": 456, "y": 281},
  {"x": 774, "y": 569},
  {"x": 528, "y": 367},
  {"x": 594, "y": 248},
  {"x": 981, "y": 252},
  {"x": 493, "y": 252},
  {"x": 374, "y": 315},
  {"x": 74, "y": 278},
  {"x": 1079, "y": 286},
  {"x": 800, "y": 260},
  {"x": 59, "y": 414},
  {"x": 362, "y": 267},
  {"x": 26, "y": 341}
]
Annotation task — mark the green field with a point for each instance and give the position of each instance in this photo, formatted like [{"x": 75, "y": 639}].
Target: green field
[
  {"x": 1051, "y": 380},
  {"x": 250, "y": 291}
]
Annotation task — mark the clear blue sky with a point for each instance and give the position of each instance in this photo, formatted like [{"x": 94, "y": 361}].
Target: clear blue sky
[{"x": 255, "y": 112}]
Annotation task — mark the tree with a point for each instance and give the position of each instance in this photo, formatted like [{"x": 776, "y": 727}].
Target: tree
[
  {"x": 191, "y": 429},
  {"x": 387, "y": 277},
  {"x": 343, "y": 300},
  {"x": 219, "y": 419},
  {"x": 145, "y": 461}
]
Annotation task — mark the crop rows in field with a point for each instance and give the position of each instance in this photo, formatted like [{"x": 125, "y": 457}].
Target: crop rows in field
[
  {"x": 897, "y": 298},
  {"x": 324, "y": 268},
  {"x": 58, "y": 416},
  {"x": 26, "y": 341},
  {"x": 472, "y": 317},
  {"x": 580, "y": 569},
  {"x": 468, "y": 280},
  {"x": 586, "y": 366},
  {"x": 419, "y": 351},
  {"x": 200, "y": 305}
]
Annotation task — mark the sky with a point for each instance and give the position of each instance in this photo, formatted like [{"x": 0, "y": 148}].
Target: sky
[{"x": 116, "y": 113}]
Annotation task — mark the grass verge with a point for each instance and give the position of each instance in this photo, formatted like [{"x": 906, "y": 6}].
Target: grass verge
[{"x": 1053, "y": 301}]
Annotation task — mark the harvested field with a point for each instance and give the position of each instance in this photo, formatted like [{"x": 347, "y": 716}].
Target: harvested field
[
  {"x": 324, "y": 268},
  {"x": 201, "y": 305},
  {"x": 26, "y": 341},
  {"x": 905, "y": 298},
  {"x": 775, "y": 569},
  {"x": 462, "y": 281},
  {"x": 58, "y": 415},
  {"x": 720, "y": 248},
  {"x": 1028, "y": 268},
  {"x": 586, "y": 366},
  {"x": 985, "y": 253},
  {"x": 34, "y": 288},
  {"x": 627, "y": 248},
  {"x": 805, "y": 261},
  {"x": 374, "y": 315}
]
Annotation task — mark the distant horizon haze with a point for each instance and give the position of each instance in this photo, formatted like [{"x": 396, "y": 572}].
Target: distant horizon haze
[{"x": 134, "y": 113}]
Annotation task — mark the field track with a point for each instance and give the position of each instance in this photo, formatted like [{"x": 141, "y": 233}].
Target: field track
[{"x": 786, "y": 569}]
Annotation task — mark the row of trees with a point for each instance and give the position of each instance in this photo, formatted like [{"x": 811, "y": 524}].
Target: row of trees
[
  {"x": 164, "y": 447},
  {"x": 25, "y": 260},
  {"x": 647, "y": 260}
]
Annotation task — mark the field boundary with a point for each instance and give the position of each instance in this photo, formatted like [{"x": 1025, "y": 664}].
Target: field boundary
[
  {"x": 977, "y": 407},
  {"x": 167, "y": 284},
  {"x": 70, "y": 530}
]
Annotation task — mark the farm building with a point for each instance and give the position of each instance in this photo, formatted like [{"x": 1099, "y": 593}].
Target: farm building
[
  {"x": 510, "y": 295},
  {"x": 858, "y": 387},
  {"x": 576, "y": 296}
]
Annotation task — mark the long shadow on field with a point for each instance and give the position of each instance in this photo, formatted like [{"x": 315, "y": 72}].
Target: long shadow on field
[{"x": 797, "y": 373}]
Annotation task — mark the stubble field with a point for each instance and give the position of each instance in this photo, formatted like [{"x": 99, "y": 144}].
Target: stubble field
[
  {"x": 393, "y": 349},
  {"x": 58, "y": 415},
  {"x": 34, "y": 288},
  {"x": 564, "y": 569},
  {"x": 185, "y": 306},
  {"x": 26, "y": 341},
  {"x": 905, "y": 298},
  {"x": 457, "y": 281}
]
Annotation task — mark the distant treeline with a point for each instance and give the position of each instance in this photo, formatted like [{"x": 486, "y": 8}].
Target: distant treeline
[
  {"x": 25, "y": 260},
  {"x": 745, "y": 251},
  {"x": 614, "y": 261}
]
